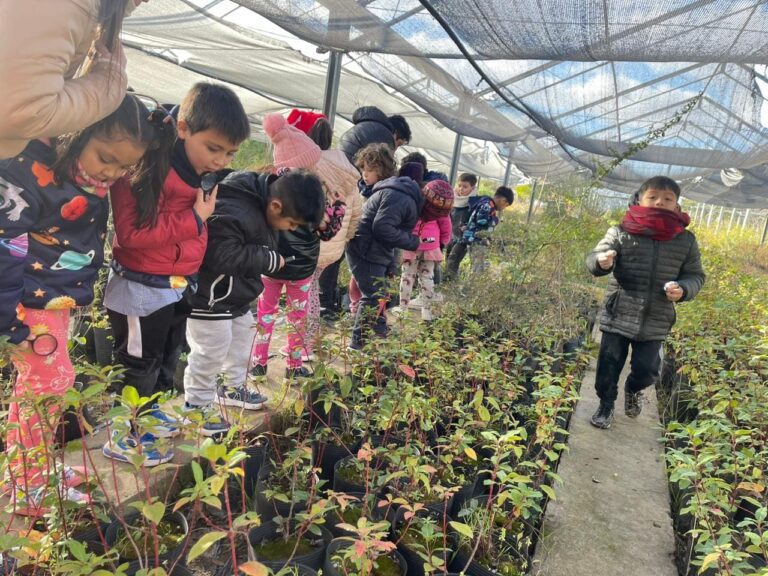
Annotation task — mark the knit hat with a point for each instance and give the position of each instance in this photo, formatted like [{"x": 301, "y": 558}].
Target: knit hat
[
  {"x": 412, "y": 170},
  {"x": 438, "y": 196},
  {"x": 292, "y": 148},
  {"x": 304, "y": 119}
]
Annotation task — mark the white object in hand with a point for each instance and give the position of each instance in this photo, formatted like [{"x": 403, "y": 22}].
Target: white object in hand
[{"x": 669, "y": 286}]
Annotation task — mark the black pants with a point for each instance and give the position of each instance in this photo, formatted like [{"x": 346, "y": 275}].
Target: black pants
[
  {"x": 372, "y": 281},
  {"x": 645, "y": 367},
  {"x": 454, "y": 259},
  {"x": 328, "y": 282},
  {"x": 149, "y": 347}
]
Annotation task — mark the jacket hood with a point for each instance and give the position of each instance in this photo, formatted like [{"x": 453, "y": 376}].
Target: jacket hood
[
  {"x": 251, "y": 184},
  {"x": 371, "y": 114},
  {"x": 403, "y": 185}
]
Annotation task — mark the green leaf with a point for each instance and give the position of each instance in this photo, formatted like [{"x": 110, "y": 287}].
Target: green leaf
[
  {"x": 77, "y": 549},
  {"x": 461, "y": 528},
  {"x": 470, "y": 452},
  {"x": 204, "y": 543},
  {"x": 131, "y": 396},
  {"x": 254, "y": 568},
  {"x": 197, "y": 472},
  {"x": 154, "y": 512},
  {"x": 483, "y": 413},
  {"x": 548, "y": 491},
  {"x": 709, "y": 559}
]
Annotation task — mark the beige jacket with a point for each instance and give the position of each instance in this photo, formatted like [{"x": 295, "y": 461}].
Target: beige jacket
[
  {"x": 43, "y": 43},
  {"x": 341, "y": 177}
]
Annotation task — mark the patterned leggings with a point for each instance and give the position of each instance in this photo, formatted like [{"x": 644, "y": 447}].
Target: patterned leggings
[
  {"x": 425, "y": 270},
  {"x": 297, "y": 296},
  {"x": 38, "y": 376}
]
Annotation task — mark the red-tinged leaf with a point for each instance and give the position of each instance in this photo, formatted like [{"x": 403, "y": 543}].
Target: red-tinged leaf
[
  {"x": 407, "y": 370},
  {"x": 254, "y": 568},
  {"x": 360, "y": 548}
]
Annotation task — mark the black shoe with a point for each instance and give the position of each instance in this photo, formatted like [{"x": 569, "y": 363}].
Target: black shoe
[
  {"x": 294, "y": 373},
  {"x": 258, "y": 371},
  {"x": 633, "y": 403},
  {"x": 603, "y": 417}
]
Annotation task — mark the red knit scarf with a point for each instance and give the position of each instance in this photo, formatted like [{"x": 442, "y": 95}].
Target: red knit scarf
[{"x": 657, "y": 223}]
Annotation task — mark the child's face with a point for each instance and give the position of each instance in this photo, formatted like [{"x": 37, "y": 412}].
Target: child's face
[
  {"x": 464, "y": 188},
  {"x": 500, "y": 202},
  {"x": 107, "y": 160},
  {"x": 664, "y": 199},
  {"x": 370, "y": 175},
  {"x": 277, "y": 221},
  {"x": 207, "y": 150}
]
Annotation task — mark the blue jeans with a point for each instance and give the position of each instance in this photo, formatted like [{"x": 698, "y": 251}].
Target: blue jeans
[{"x": 372, "y": 280}]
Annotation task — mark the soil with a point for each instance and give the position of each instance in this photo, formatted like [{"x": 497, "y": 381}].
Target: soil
[
  {"x": 168, "y": 533},
  {"x": 280, "y": 549},
  {"x": 385, "y": 566}
]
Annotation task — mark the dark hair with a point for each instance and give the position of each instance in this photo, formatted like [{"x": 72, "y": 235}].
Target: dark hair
[
  {"x": 400, "y": 128},
  {"x": 321, "y": 133},
  {"x": 505, "y": 192},
  {"x": 417, "y": 157},
  {"x": 468, "y": 177},
  {"x": 131, "y": 120},
  {"x": 110, "y": 22},
  {"x": 658, "y": 183},
  {"x": 301, "y": 194},
  {"x": 379, "y": 157},
  {"x": 213, "y": 106}
]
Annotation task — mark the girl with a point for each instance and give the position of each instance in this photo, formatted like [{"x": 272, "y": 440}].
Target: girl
[
  {"x": 434, "y": 230},
  {"x": 376, "y": 162},
  {"x": 53, "y": 220},
  {"x": 301, "y": 248}
]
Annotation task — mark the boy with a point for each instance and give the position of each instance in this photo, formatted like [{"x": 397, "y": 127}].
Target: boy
[
  {"x": 154, "y": 264},
  {"x": 475, "y": 233},
  {"x": 389, "y": 216},
  {"x": 655, "y": 262},
  {"x": 250, "y": 210}
]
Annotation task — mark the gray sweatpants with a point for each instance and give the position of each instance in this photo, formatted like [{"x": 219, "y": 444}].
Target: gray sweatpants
[{"x": 216, "y": 347}]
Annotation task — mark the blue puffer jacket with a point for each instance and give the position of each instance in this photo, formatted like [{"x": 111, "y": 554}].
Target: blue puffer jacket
[
  {"x": 389, "y": 216},
  {"x": 51, "y": 239}
]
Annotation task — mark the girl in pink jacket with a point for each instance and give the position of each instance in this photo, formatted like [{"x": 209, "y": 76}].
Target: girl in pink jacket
[{"x": 434, "y": 229}]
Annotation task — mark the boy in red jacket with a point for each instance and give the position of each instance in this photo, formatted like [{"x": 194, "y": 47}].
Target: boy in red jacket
[{"x": 157, "y": 252}]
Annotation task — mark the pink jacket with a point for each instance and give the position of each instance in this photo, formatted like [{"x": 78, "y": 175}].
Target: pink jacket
[{"x": 439, "y": 229}]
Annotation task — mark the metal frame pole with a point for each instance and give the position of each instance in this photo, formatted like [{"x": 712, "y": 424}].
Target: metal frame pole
[
  {"x": 332, "y": 81},
  {"x": 744, "y": 222},
  {"x": 508, "y": 171},
  {"x": 455, "y": 158},
  {"x": 533, "y": 199}
]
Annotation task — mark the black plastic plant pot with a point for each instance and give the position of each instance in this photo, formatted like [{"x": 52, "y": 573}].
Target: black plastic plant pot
[
  {"x": 340, "y": 482},
  {"x": 167, "y": 559},
  {"x": 474, "y": 568},
  {"x": 326, "y": 454},
  {"x": 252, "y": 465},
  {"x": 330, "y": 566},
  {"x": 412, "y": 558},
  {"x": 271, "y": 507},
  {"x": 275, "y": 553}
]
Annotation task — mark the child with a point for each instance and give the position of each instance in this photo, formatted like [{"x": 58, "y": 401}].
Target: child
[
  {"x": 655, "y": 262},
  {"x": 292, "y": 149},
  {"x": 388, "y": 219},
  {"x": 476, "y": 232},
  {"x": 53, "y": 221},
  {"x": 375, "y": 162},
  {"x": 434, "y": 230},
  {"x": 466, "y": 188},
  {"x": 242, "y": 243},
  {"x": 157, "y": 253}
]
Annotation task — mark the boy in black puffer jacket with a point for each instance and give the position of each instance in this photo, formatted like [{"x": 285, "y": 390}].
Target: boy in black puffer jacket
[
  {"x": 655, "y": 262},
  {"x": 389, "y": 217},
  {"x": 242, "y": 244}
]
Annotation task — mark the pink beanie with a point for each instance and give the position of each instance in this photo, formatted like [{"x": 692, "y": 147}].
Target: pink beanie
[{"x": 292, "y": 148}]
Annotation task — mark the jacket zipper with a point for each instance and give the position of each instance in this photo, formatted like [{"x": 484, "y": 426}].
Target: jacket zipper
[{"x": 649, "y": 296}]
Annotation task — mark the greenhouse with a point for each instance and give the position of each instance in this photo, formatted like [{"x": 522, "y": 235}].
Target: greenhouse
[{"x": 384, "y": 287}]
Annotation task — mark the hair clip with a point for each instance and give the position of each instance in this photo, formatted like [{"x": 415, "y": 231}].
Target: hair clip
[
  {"x": 282, "y": 171},
  {"x": 161, "y": 118}
]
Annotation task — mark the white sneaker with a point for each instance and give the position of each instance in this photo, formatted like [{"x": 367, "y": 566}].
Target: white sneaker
[
  {"x": 417, "y": 303},
  {"x": 426, "y": 314},
  {"x": 438, "y": 297}
]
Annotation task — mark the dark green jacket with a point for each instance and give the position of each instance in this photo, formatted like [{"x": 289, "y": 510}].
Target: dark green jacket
[{"x": 636, "y": 305}]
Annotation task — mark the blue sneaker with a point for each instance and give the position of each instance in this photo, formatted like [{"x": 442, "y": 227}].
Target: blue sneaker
[
  {"x": 210, "y": 419},
  {"x": 241, "y": 397},
  {"x": 159, "y": 424},
  {"x": 126, "y": 448}
]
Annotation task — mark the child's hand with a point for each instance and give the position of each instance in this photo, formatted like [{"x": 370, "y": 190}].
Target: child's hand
[
  {"x": 281, "y": 263},
  {"x": 674, "y": 291},
  {"x": 204, "y": 207},
  {"x": 605, "y": 260},
  {"x": 427, "y": 240}
]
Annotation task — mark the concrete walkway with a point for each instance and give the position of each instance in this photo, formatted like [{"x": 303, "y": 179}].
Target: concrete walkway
[{"x": 611, "y": 515}]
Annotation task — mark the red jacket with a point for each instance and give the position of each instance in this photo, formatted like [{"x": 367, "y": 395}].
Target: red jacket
[{"x": 174, "y": 246}]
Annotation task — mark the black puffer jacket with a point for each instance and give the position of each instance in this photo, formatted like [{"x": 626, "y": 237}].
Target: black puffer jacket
[
  {"x": 389, "y": 217},
  {"x": 241, "y": 247},
  {"x": 304, "y": 245},
  {"x": 371, "y": 126},
  {"x": 636, "y": 305}
]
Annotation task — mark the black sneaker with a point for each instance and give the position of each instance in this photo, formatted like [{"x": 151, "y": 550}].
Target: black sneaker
[
  {"x": 258, "y": 371},
  {"x": 603, "y": 417},
  {"x": 633, "y": 403},
  {"x": 294, "y": 373}
]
